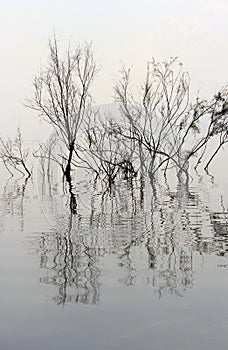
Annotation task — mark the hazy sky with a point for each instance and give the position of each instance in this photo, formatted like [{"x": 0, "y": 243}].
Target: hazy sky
[{"x": 128, "y": 31}]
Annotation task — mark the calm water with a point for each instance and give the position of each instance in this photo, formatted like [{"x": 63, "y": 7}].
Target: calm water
[{"x": 123, "y": 273}]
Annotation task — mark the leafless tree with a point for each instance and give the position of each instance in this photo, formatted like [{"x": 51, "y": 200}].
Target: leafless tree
[
  {"x": 49, "y": 153},
  {"x": 14, "y": 155},
  {"x": 61, "y": 93},
  {"x": 163, "y": 121},
  {"x": 219, "y": 121},
  {"x": 107, "y": 150}
]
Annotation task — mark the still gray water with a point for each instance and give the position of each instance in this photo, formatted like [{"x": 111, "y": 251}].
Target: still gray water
[{"x": 132, "y": 270}]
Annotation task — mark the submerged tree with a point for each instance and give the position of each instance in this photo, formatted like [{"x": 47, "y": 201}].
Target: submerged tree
[
  {"x": 162, "y": 120},
  {"x": 105, "y": 152},
  {"x": 61, "y": 93},
  {"x": 14, "y": 155},
  {"x": 156, "y": 128}
]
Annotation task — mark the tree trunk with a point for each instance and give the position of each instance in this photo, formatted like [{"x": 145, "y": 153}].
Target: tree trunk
[
  {"x": 212, "y": 157},
  {"x": 25, "y": 167},
  {"x": 67, "y": 173},
  {"x": 68, "y": 166}
]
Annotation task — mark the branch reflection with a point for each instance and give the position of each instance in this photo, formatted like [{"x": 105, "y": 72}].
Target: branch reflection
[
  {"x": 12, "y": 204},
  {"x": 70, "y": 265},
  {"x": 154, "y": 232}
]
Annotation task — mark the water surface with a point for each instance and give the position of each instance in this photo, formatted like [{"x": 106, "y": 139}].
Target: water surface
[{"x": 135, "y": 270}]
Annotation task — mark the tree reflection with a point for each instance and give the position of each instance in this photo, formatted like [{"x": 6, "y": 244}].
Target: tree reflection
[
  {"x": 70, "y": 265},
  {"x": 12, "y": 202},
  {"x": 219, "y": 221},
  {"x": 155, "y": 232}
]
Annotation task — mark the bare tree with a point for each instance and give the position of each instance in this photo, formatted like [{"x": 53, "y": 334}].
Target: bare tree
[
  {"x": 153, "y": 119},
  {"x": 108, "y": 150},
  {"x": 61, "y": 93},
  {"x": 219, "y": 121},
  {"x": 14, "y": 155},
  {"x": 163, "y": 121}
]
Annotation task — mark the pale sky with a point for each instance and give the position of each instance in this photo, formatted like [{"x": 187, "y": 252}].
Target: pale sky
[{"x": 123, "y": 31}]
